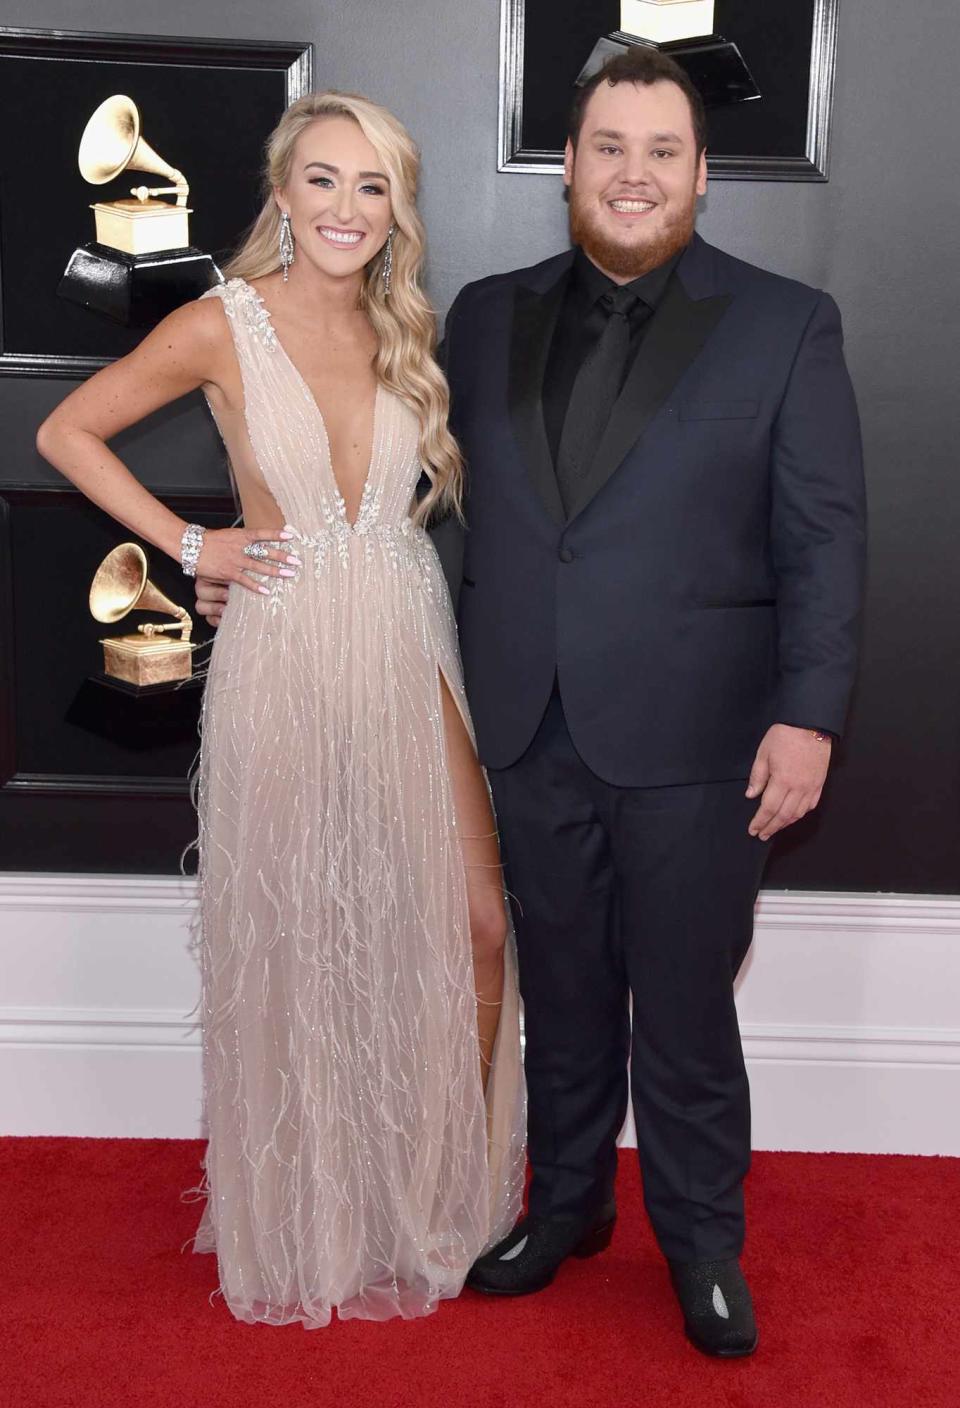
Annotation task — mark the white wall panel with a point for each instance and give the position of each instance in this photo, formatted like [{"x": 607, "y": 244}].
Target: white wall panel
[{"x": 848, "y": 1006}]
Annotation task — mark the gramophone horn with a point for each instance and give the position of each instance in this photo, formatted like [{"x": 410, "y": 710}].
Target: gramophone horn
[
  {"x": 111, "y": 142},
  {"x": 121, "y": 584}
]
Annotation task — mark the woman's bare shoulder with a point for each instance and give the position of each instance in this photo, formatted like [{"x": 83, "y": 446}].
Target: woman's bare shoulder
[
  {"x": 196, "y": 335},
  {"x": 204, "y": 319},
  {"x": 189, "y": 349}
]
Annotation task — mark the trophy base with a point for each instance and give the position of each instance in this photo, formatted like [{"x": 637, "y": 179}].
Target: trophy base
[
  {"x": 147, "y": 660},
  {"x": 714, "y": 65},
  {"x": 136, "y": 290},
  {"x": 139, "y": 718}
]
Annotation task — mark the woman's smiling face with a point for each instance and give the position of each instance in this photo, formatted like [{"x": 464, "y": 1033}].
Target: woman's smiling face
[{"x": 337, "y": 197}]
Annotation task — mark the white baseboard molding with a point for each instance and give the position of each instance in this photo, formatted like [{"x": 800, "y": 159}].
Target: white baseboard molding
[{"x": 847, "y": 1006}]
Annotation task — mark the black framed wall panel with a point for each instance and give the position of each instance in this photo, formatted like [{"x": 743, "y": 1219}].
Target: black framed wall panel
[
  {"x": 790, "y": 49},
  {"x": 206, "y": 107},
  {"x": 85, "y": 767}
]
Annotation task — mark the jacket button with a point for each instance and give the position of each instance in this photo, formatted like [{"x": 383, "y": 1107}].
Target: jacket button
[{"x": 567, "y": 554}]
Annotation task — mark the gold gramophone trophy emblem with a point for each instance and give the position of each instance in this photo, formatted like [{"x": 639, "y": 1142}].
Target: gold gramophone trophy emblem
[
  {"x": 140, "y": 224},
  {"x": 147, "y": 656},
  {"x": 142, "y": 264},
  {"x": 684, "y": 30}
]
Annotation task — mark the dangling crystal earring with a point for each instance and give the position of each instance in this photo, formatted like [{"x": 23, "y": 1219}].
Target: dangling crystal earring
[
  {"x": 286, "y": 245},
  {"x": 388, "y": 262}
]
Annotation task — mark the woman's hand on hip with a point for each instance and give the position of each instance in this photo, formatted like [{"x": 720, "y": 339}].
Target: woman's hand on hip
[{"x": 232, "y": 554}]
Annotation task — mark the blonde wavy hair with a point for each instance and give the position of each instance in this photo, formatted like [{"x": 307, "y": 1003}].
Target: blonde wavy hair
[{"x": 404, "y": 322}]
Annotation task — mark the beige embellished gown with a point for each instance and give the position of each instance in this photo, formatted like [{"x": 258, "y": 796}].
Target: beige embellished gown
[{"x": 353, "y": 1162}]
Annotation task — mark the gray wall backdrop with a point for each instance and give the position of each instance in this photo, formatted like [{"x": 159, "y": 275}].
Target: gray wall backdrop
[{"x": 881, "y": 236}]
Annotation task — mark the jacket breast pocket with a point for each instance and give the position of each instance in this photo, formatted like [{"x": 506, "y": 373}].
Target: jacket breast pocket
[
  {"x": 719, "y": 410},
  {"x": 747, "y": 603}
]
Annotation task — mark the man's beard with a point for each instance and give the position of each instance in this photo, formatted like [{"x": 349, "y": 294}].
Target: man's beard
[{"x": 619, "y": 258}]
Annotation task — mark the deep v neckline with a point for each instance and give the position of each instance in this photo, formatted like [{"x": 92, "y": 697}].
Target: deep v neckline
[{"x": 304, "y": 386}]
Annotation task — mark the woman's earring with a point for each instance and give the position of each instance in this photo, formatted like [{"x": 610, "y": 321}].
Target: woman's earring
[
  {"x": 286, "y": 245},
  {"x": 388, "y": 262}
]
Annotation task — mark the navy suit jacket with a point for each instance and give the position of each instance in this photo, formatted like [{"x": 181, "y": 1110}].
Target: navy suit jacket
[{"x": 708, "y": 580}]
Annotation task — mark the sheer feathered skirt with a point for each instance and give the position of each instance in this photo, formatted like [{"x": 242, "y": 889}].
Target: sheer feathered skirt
[{"x": 353, "y": 1162}]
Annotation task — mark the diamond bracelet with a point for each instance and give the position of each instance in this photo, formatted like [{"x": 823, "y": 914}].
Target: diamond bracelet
[{"x": 190, "y": 545}]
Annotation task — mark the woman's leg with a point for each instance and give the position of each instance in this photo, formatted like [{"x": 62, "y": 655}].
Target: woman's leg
[{"x": 481, "y": 856}]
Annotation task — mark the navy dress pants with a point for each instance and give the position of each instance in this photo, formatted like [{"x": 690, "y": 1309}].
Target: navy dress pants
[{"x": 642, "y": 894}]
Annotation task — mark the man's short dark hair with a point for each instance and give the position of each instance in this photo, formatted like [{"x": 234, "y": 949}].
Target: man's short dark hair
[{"x": 641, "y": 64}]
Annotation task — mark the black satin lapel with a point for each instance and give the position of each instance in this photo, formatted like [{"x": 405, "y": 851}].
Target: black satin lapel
[
  {"x": 534, "y": 318},
  {"x": 676, "y": 335}
]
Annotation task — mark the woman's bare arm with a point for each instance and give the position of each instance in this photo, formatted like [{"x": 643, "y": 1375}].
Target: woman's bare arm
[{"x": 189, "y": 349}]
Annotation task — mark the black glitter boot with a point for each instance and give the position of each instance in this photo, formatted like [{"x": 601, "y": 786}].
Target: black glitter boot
[
  {"x": 716, "y": 1305},
  {"x": 530, "y": 1256}
]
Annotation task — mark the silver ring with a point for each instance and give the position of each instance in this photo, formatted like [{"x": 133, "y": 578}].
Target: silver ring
[{"x": 257, "y": 550}]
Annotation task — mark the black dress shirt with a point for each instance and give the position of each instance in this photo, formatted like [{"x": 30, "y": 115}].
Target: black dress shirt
[{"x": 579, "y": 325}]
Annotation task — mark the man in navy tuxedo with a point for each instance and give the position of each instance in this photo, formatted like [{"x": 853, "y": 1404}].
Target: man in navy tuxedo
[{"x": 661, "y": 588}]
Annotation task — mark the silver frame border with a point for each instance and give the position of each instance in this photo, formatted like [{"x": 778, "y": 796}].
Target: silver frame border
[{"x": 814, "y": 165}]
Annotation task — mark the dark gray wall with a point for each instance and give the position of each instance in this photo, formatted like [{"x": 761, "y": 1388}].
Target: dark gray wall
[{"x": 881, "y": 236}]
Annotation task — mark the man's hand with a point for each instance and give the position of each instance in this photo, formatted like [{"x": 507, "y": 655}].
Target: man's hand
[
  {"x": 788, "y": 772},
  {"x": 211, "y": 599}
]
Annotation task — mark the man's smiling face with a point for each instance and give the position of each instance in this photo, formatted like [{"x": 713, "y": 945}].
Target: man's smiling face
[{"x": 634, "y": 177}]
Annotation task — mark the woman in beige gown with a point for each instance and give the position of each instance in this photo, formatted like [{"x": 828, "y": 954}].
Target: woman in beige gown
[{"x": 361, "y": 1036}]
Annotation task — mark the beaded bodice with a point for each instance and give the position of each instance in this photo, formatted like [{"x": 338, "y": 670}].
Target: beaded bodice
[{"x": 290, "y": 443}]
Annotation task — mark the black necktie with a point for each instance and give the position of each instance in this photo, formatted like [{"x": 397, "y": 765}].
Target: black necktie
[{"x": 595, "y": 391}]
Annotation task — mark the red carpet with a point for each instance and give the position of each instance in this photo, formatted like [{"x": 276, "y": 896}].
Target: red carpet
[{"x": 855, "y": 1265}]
